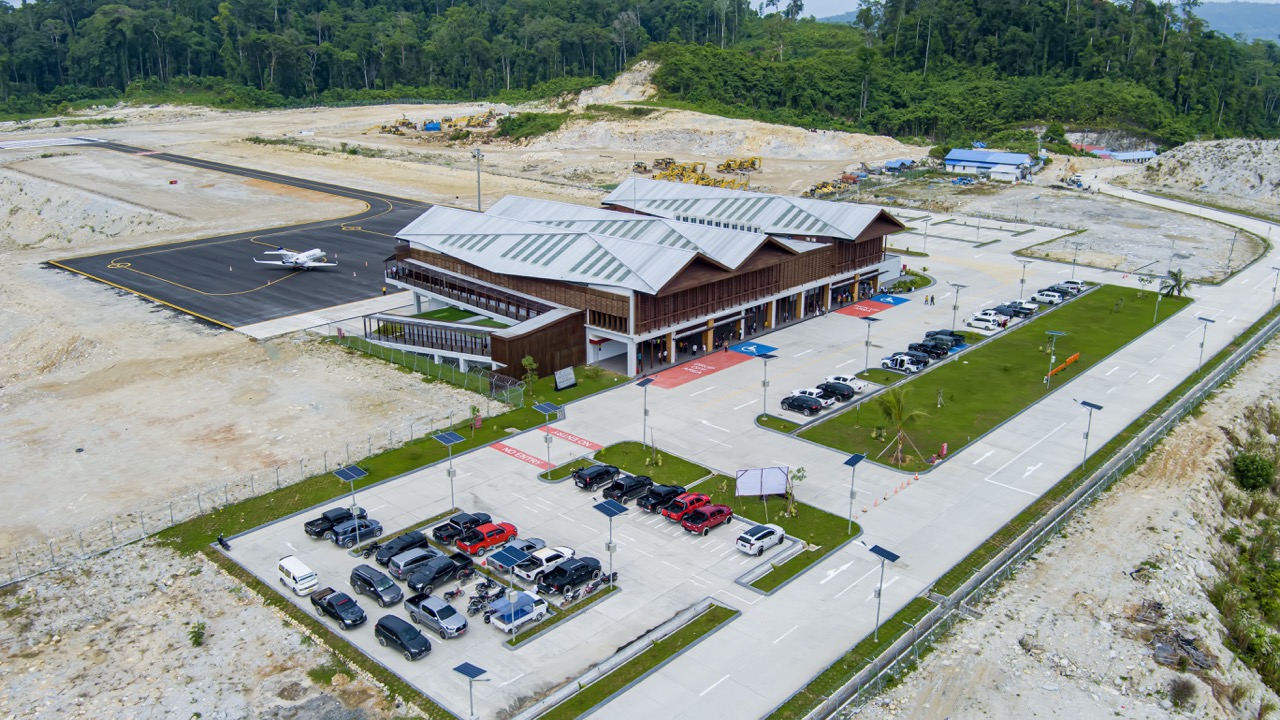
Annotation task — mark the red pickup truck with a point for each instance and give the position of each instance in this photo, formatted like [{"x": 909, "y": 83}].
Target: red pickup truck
[
  {"x": 684, "y": 504},
  {"x": 700, "y": 521},
  {"x": 479, "y": 539}
]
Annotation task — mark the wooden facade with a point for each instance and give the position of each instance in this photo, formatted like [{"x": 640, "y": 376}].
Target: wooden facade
[{"x": 557, "y": 345}]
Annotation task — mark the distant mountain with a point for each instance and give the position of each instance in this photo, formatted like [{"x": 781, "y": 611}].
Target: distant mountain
[
  {"x": 848, "y": 18},
  {"x": 1256, "y": 21}
]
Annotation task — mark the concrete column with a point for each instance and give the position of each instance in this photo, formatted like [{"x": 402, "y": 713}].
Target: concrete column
[
  {"x": 771, "y": 317},
  {"x": 826, "y": 297},
  {"x": 462, "y": 364},
  {"x": 799, "y": 302},
  {"x": 742, "y": 330},
  {"x": 671, "y": 347},
  {"x": 709, "y": 336},
  {"x": 438, "y": 359},
  {"x": 417, "y": 304},
  {"x": 632, "y": 363}
]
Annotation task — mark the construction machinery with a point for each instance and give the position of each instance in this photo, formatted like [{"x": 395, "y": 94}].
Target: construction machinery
[
  {"x": 640, "y": 166},
  {"x": 732, "y": 165},
  {"x": 663, "y": 163}
]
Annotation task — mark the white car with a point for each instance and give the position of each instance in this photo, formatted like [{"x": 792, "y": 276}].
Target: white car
[
  {"x": 1047, "y": 298},
  {"x": 901, "y": 363},
  {"x": 542, "y": 561},
  {"x": 990, "y": 314},
  {"x": 1029, "y": 307},
  {"x": 853, "y": 382},
  {"x": 755, "y": 540},
  {"x": 983, "y": 323},
  {"x": 1078, "y": 285},
  {"x": 816, "y": 394}
]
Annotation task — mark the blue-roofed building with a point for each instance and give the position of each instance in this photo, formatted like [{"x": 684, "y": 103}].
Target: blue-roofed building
[
  {"x": 1134, "y": 158},
  {"x": 982, "y": 162},
  {"x": 898, "y": 165}
]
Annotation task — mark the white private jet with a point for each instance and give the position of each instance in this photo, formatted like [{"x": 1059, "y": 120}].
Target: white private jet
[{"x": 303, "y": 261}]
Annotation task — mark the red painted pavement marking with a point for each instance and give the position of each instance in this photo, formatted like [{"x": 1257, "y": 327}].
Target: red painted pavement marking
[
  {"x": 864, "y": 308},
  {"x": 701, "y": 367},
  {"x": 521, "y": 455},
  {"x": 580, "y": 441}
]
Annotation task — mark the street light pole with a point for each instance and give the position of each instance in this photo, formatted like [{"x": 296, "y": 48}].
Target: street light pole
[
  {"x": 1022, "y": 284},
  {"x": 1203, "y": 337},
  {"x": 852, "y": 462},
  {"x": 1275, "y": 284},
  {"x": 926, "y": 234},
  {"x": 885, "y": 556},
  {"x": 1088, "y": 427},
  {"x": 644, "y": 423},
  {"x": 478, "y": 156},
  {"x": 956, "y": 307},
  {"x": 1053, "y": 337},
  {"x": 1160, "y": 281},
  {"x": 1075, "y": 257},
  {"x": 764, "y": 384},
  {"x": 866, "y": 359}
]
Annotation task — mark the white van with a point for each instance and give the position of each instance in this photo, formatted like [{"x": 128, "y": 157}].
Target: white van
[
  {"x": 1047, "y": 297},
  {"x": 982, "y": 322},
  {"x": 297, "y": 577}
]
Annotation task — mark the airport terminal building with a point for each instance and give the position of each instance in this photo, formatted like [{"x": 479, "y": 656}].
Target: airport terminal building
[{"x": 662, "y": 272}]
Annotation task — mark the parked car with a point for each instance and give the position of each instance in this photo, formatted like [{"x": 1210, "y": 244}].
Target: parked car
[
  {"x": 700, "y": 521},
  {"x": 1029, "y": 308},
  {"x": 628, "y": 487},
  {"x": 991, "y": 314},
  {"x": 1007, "y": 312},
  {"x": 685, "y": 504},
  {"x": 297, "y": 576},
  {"x": 802, "y": 404},
  {"x": 928, "y": 349},
  {"x": 1046, "y": 297},
  {"x": 853, "y": 382},
  {"x": 658, "y": 497},
  {"x": 756, "y": 539},
  {"x": 367, "y": 580},
  {"x": 450, "y": 529},
  {"x": 901, "y": 363},
  {"x": 527, "y": 545},
  {"x": 590, "y": 478},
  {"x": 437, "y": 571},
  {"x": 816, "y": 394},
  {"x": 543, "y": 561},
  {"x": 479, "y": 540},
  {"x": 983, "y": 323},
  {"x": 408, "y": 562},
  {"x": 394, "y": 632},
  {"x": 510, "y": 615},
  {"x": 338, "y": 606},
  {"x": 921, "y": 359},
  {"x": 1016, "y": 309},
  {"x": 435, "y": 613},
  {"x": 836, "y": 390},
  {"x": 353, "y": 532},
  {"x": 570, "y": 574},
  {"x": 320, "y": 527},
  {"x": 403, "y": 543},
  {"x": 1079, "y": 285},
  {"x": 951, "y": 337},
  {"x": 1064, "y": 289}
]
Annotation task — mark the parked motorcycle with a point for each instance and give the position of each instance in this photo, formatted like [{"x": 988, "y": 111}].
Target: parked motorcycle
[
  {"x": 569, "y": 596},
  {"x": 370, "y": 549},
  {"x": 486, "y": 585},
  {"x": 465, "y": 575},
  {"x": 453, "y": 594}
]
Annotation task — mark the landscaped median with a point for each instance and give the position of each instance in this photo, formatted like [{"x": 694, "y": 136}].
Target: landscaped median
[
  {"x": 632, "y": 670},
  {"x": 987, "y": 385}
]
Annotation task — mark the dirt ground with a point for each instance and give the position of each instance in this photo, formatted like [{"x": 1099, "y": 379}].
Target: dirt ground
[{"x": 1062, "y": 639}]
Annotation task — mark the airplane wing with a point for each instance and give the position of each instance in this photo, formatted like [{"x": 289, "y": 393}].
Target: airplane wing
[
  {"x": 278, "y": 251},
  {"x": 278, "y": 263},
  {"x": 319, "y": 264}
]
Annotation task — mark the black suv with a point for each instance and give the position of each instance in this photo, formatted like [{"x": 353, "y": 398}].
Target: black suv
[
  {"x": 453, "y": 527},
  {"x": 658, "y": 497},
  {"x": 391, "y": 631},
  {"x": 802, "y": 404},
  {"x": 321, "y": 526},
  {"x": 1015, "y": 310},
  {"x": 836, "y": 390},
  {"x": 951, "y": 337},
  {"x": 628, "y": 488},
  {"x": 570, "y": 574},
  {"x": 931, "y": 349},
  {"x": 366, "y": 580},
  {"x": 395, "y": 546},
  {"x": 590, "y": 478}
]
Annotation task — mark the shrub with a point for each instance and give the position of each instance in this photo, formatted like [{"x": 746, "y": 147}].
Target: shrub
[
  {"x": 1253, "y": 471},
  {"x": 1182, "y": 691},
  {"x": 196, "y": 634}
]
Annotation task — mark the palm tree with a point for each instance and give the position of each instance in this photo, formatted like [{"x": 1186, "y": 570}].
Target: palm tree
[
  {"x": 1177, "y": 282},
  {"x": 894, "y": 405}
]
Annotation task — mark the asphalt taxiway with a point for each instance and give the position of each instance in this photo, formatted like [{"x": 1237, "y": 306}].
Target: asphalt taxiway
[{"x": 215, "y": 278}]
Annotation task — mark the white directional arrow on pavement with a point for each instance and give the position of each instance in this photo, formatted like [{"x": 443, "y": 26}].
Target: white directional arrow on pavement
[
  {"x": 1031, "y": 469},
  {"x": 833, "y": 573}
]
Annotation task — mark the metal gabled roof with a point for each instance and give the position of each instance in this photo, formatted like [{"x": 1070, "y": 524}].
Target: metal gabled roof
[
  {"x": 512, "y": 247},
  {"x": 756, "y": 212},
  {"x": 722, "y": 245},
  {"x": 989, "y": 157}
]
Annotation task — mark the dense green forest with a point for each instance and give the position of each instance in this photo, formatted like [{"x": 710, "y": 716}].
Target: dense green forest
[{"x": 944, "y": 69}]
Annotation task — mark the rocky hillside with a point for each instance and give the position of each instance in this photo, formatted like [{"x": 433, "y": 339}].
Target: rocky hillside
[{"x": 1247, "y": 169}]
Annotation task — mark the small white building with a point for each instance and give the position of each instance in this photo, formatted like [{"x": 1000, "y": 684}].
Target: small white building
[{"x": 1005, "y": 173}]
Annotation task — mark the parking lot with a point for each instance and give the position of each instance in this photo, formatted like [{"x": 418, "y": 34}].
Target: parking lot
[{"x": 662, "y": 569}]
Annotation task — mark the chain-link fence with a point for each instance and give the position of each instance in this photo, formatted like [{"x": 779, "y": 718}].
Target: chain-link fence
[{"x": 893, "y": 662}]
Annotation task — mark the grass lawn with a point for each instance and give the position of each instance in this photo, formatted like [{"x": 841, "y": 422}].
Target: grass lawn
[
  {"x": 989, "y": 384},
  {"x": 631, "y": 456},
  {"x": 447, "y": 314},
  {"x": 777, "y": 423},
  {"x": 881, "y": 377},
  {"x": 591, "y": 380},
  {"x": 486, "y": 322},
  {"x": 815, "y": 527},
  {"x": 561, "y": 472},
  {"x": 851, "y": 662},
  {"x": 596, "y": 692}
]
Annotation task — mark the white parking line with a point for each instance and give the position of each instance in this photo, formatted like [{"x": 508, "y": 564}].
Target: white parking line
[
  {"x": 846, "y": 362},
  {"x": 783, "y": 635},
  {"x": 636, "y": 549},
  {"x": 1024, "y": 452},
  {"x": 377, "y": 508},
  {"x": 744, "y": 601},
  {"x": 713, "y": 387},
  {"x": 1010, "y": 487},
  {"x": 739, "y": 407},
  {"x": 984, "y": 457},
  {"x": 1135, "y": 372},
  {"x": 1110, "y": 391},
  {"x": 626, "y": 537},
  {"x": 855, "y": 582},
  {"x": 1113, "y": 369},
  {"x": 806, "y": 352},
  {"x": 512, "y": 680},
  {"x": 872, "y": 596},
  {"x": 535, "y": 509},
  {"x": 291, "y": 547},
  {"x": 1032, "y": 469},
  {"x": 713, "y": 686},
  {"x": 664, "y": 562},
  {"x": 729, "y": 550},
  {"x": 1153, "y": 378},
  {"x": 519, "y": 496},
  {"x": 704, "y": 422},
  {"x": 695, "y": 582}
]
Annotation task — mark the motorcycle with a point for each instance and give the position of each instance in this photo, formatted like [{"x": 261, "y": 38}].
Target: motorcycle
[
  {"x": 453, "y": 594},
  {"x": 370, "y": 549},
  {"x": 222, "y": 542},
  {"x": 592, "y": 586},
  {"x": 486, "y": 585},
  {"x": 465, "y": 574},
  {"x": 569, "y": 596}
]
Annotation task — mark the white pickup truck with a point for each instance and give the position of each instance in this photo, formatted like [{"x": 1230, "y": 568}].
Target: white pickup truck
[{"x": 510, "y": 615}]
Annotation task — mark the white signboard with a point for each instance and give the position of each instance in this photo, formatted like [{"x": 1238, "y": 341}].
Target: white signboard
[{"x": 762, "y": 481}]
